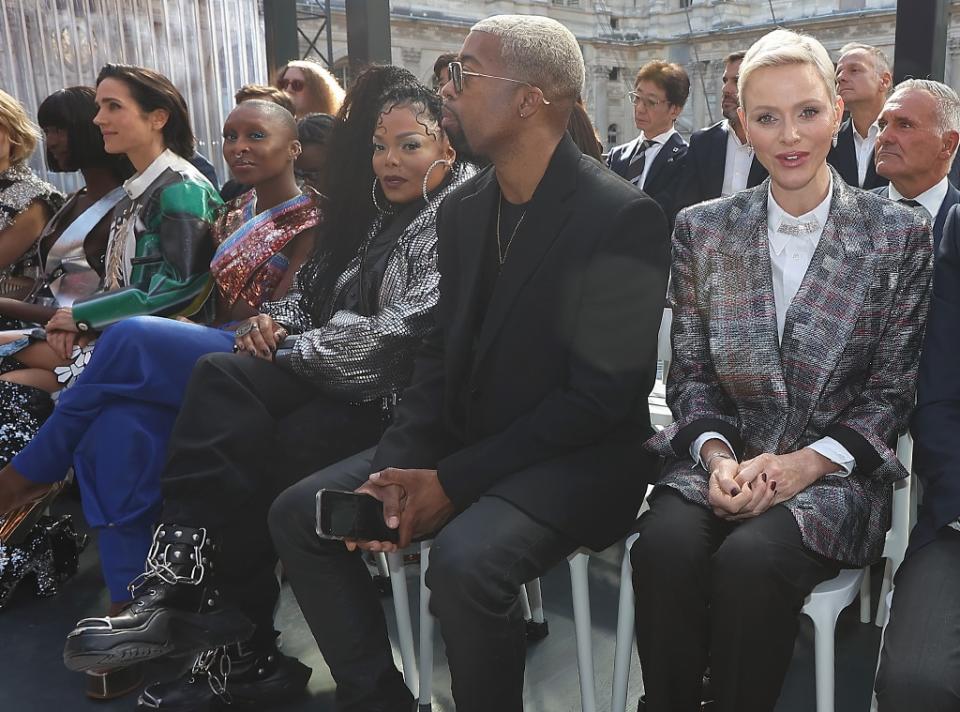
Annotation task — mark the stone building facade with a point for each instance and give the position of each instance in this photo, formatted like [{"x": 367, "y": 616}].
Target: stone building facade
[{"x": 618, "y": 36}]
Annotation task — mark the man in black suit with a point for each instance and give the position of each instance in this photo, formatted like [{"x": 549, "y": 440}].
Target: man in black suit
[
  {"x": 863, "y": 81},
  {"x": 919, "y": 666},
  {"x": 654, "y": 160},
  {"x": 521, "y": 435},
  {"x": 918, "y": 138},
  {"x": 719, "y": 161}
]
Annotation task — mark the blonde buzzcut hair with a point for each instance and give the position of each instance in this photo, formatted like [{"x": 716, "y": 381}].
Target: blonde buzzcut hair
[
  {"x": 539, "y": 50},
  {"x": 782, "y": 48},
  {"x": 22, "y": 132}
]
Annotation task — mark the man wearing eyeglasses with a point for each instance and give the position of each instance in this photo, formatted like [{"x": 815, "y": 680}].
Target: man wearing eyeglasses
[
  {"x": 654, "y": 160},
  {"x": 520, "y": 436}
]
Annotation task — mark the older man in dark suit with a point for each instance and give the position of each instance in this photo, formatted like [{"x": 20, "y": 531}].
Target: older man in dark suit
[
  {"x": 919, "y": 132},
  {"x": 520, "y": 436},
  {"x": 720, "y": 160},
  {"x": 654, "y": 160}
]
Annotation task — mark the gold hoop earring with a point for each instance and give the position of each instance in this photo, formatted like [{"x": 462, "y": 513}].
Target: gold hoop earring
[
  {"x": 376, "y": 203},
  {"x": 426, "y": 176}
]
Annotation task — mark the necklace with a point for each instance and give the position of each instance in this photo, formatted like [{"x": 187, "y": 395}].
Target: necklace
[{"x": 501, "y": 252}]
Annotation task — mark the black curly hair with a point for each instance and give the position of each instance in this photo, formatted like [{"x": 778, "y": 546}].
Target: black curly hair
[{"x": 349, "y": 175}]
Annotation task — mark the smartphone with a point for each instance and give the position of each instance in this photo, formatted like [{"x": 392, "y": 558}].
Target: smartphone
[{"x": 350, "y": 515}]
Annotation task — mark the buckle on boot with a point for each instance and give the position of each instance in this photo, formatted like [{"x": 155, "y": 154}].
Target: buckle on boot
[{"x": 166, "y": 551}]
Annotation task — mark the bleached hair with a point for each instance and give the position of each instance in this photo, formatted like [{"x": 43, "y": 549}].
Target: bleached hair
[
  {"x": 540, "y": 51},
  {"x": 782, "y": 48}
]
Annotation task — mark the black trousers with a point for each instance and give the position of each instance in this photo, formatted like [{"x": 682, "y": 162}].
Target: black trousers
[
  {"x": 246, "y": 431},
  {"x": 920, "y": 663},
  {"x": 478, "y": 563},
  {"x": 710, "y": 592}
]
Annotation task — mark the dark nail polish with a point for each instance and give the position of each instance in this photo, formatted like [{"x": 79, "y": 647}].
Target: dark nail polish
[
  {"x": 735, "y": 491},
  {"x": 764, "y": 476}
]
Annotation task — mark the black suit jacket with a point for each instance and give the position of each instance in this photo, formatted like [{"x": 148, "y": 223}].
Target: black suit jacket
[
  {"x": 665, "y": 175},
  {"x": 936, "y": 419},
  {"x": 949, "y": 200},
  {"x": 843, "y": 157},
  {"x": 545, "y": 406},
  {"x": 704, "y": 167}
]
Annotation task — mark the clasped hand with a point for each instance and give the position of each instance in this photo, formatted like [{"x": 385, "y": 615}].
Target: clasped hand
[
  {"x": 743, "y": 490},
  {"x": 62, "y": 333},
  {"x": 413, "y": 502}
]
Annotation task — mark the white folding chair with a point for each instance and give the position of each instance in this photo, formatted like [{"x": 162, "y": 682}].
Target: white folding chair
[
  {"x": 421, "y": 686},
  {"x": 579, "y": 561},
  {"x": 824, "y": 604}
]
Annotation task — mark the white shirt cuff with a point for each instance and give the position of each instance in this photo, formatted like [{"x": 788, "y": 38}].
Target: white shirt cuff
[
  {"x": 698, "y": 444},
  {"x": 836, "y": 453}
]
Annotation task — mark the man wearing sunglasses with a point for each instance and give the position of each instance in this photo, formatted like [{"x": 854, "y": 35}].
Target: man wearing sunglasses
[
  {"x": 520, "y": 436},
  {"x": 654, "y": 161}
]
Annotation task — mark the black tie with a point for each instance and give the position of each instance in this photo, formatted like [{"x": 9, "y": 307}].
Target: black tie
[
  {"x": 910, "y": 203},
  {"x": 635, "y": 169}
]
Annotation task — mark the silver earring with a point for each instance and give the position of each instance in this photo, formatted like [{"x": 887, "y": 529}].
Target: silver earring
[
  {"x": 426, "y": 176},
  {"x": 376, "y": 203},
  {"x": 836, "y": 137}
]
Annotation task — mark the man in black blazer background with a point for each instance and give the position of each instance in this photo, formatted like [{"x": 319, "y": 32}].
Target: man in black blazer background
[
  {"x": 919, "y": 132},
  {"x": 863, "y": 82},
  {"x": 719, "y": 161},
  {"x": 654, "y": 160},
  {"x": 521, "y": 435}
]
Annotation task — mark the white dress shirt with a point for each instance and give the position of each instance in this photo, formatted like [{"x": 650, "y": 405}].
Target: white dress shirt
[
  {"x": 931, "y": 199},
  {"x": 736, "y": 167},
  {"x": 864, "y": 148},
  {"x": 790, "y": 256},
  {"x": 651, "y": 153}
]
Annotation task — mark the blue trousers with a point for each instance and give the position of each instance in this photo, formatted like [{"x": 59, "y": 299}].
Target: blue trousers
[{"x": 113, "y": 427}]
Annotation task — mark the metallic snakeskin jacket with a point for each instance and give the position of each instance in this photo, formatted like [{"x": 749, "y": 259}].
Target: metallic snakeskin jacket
[{"x": 362, "y": 358}]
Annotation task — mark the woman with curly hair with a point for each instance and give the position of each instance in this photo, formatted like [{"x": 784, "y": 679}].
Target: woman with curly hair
[{"x": 312, "y": 88}]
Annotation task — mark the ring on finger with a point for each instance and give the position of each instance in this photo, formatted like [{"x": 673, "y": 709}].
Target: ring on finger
[{"x": 246, "y": 328}]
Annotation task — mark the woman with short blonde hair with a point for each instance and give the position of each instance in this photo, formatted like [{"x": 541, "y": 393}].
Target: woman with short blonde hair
[{"x": 793, "y": 372}]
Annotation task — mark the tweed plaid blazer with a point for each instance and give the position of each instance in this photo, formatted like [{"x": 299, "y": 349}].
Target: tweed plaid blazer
[{"x": 846, "y": 367}]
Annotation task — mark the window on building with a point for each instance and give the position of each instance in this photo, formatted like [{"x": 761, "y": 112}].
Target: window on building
[
  {"x": 613, "y": 135},
  {"x": 567, "y": 3},
  {"x": 686, "y": 3},
  {"x": 614, "y": 74},
  {"x": 614, "y": 23}
]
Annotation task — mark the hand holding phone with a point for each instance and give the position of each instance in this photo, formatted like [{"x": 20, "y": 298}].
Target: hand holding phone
[{"x": 353, "y": 516}]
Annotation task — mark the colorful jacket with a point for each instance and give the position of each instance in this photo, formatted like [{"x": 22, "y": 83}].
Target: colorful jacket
[{"x": 158, "y": 258}]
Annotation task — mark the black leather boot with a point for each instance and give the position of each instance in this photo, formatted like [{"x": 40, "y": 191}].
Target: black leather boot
[
  {"x": 176, "y": 610},
  {"x": 242, "y": 674}
]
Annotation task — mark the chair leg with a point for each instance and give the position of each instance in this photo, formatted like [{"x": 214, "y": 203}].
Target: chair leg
[
  {"x": 426, "y": 632},
  {"x": 625, "y": 634},
  {"x": 525, "y": 604},
  {"x": 885, "y": 588},
  {"x": 865, "y": 611},
  {"x": 401, "y": 605},
  {"x": 535, "y": 597},
  {"x": 883, "y": 631},
  {"x": 824, "y": 627},
  {"x": 579, "y": 582}
]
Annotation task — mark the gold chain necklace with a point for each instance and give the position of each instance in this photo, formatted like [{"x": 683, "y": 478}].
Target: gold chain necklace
[{"x": 502, "y": 253}]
